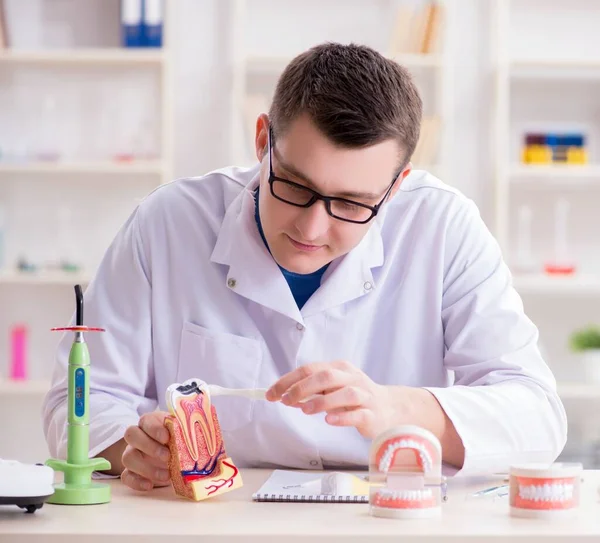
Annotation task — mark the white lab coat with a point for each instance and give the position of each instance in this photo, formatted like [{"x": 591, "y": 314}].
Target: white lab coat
[{"x": 188, "y": 289}]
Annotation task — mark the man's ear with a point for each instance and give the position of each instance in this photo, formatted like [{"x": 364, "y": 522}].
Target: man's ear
[
  {"x": 401, "y": 177},
  {"x": 261, "y": 140}
]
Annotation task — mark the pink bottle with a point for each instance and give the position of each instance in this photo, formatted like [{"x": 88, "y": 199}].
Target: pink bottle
[{"x": 18, "y": 366}]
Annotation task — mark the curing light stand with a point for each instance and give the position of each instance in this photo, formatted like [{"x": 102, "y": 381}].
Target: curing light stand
[{"x": 78, "y": 488}]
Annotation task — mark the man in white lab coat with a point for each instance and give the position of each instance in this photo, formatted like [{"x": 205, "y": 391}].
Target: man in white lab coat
[{"x": 331, "y": 268}]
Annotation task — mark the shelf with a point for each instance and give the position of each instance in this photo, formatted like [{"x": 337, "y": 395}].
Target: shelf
[
  {"x": 114, "y": 56},
  {"x": 278, "y": 63},
  {"x": 27, "y": 387},
  {"x": 149, "y": 167},
  {"x": 584, "y": 174},
  {"x": 555, "y": 68},
  {"x": 578, "y": 391},
  {"x": 43, "y": 278},
  {"x": 545, "y": 284}
]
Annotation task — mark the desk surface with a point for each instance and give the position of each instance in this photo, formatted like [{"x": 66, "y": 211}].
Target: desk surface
[{"x": 234, "y": 517}]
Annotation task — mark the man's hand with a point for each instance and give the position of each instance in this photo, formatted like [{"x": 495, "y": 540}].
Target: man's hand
[
  {"x": 344, "y": 392},
  {"x": 146, "y": 454},
  {"x": 351, "y": 398}
]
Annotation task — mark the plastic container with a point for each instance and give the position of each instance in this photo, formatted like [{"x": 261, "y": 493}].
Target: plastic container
[{"x": 18, "y": 363}]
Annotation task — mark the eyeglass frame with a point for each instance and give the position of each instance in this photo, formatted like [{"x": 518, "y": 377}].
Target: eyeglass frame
[{"x": 326, "y": 199}]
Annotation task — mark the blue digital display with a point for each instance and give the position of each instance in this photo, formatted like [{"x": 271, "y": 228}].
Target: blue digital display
[{"x": 79, "y": 392}]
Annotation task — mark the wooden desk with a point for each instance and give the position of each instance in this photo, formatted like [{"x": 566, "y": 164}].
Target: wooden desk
[{"x": 233, "y": 517}]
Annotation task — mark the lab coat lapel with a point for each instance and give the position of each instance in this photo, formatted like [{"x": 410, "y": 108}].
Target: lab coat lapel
[
  {"x": 252, "y": 271},
  {"x": 350, "y": 276}
]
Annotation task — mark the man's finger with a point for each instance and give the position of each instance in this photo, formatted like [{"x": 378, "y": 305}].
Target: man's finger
[
  {"x": 359, "y": 418},
  {"x": 139, "y": 463},
  {"x": 154, "y": 425},
  {"x": 347, "y": 397},
  {"x": 139, "y": 439},
  {"x": 281, "y": 386},
  {"x": 135, "y": 481},
  {"x": 323, "y": 382}
]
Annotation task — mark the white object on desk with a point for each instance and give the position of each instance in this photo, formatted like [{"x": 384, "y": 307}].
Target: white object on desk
[
  {"x": 25, "y": 485},
  {"x": 325, "y": 487}
]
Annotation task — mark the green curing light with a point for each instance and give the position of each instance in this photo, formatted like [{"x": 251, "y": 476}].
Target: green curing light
[{"x": 78, "y": 487}]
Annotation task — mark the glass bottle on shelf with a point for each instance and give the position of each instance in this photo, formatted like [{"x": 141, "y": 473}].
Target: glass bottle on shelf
[
  {"x": 561, "y": 262},
  {"x": 524, "y": 262},
  {"x": 47, "y": 149}
]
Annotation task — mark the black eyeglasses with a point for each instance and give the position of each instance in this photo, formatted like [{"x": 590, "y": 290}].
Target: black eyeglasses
[{"x": 339, "y": 208}]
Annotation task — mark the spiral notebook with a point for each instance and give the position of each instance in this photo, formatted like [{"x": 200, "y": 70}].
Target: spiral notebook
[{"x": 325, "y": 487}]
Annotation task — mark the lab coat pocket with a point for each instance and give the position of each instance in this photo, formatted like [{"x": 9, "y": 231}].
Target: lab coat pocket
[{"x": 223, "y": 359}]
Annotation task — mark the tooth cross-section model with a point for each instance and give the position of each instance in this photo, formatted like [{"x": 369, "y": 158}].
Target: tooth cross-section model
[
  {"x": 405, "y": 466},
  {"x": 199, "y": 465}
]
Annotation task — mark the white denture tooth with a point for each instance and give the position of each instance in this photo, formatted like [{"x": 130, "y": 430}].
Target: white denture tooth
[
  {"x": 569, "y": 491},
  {"x": 547, "y": 492}
]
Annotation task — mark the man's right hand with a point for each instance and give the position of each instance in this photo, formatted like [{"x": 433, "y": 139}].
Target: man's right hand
[{"x": 146, "y": 454}]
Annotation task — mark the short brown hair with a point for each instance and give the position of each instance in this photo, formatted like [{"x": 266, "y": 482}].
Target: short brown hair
[{"x": 353, "y": 94}]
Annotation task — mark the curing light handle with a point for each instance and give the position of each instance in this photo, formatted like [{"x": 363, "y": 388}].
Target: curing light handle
[
  {"x": 78, "y": 396},
  {"x": 78, "y": 487}
]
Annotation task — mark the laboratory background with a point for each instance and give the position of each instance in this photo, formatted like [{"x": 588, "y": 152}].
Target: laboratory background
[{"x": 99, "y": 106}]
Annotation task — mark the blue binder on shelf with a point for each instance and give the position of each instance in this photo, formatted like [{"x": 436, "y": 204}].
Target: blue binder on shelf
[
  {"x": 132, "y": 23},
  {"x": 153, "y": 13},
  {"x": 142, "y": 23}
]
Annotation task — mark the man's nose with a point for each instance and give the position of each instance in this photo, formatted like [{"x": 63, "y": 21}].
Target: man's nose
[{"x": 313, "y": 221}]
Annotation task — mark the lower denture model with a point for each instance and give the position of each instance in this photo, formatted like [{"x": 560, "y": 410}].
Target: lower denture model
[
  {"x": 544, "y": 490},
  {"x": 405, "y": 471},
  {"x": 199, "y": 466}
]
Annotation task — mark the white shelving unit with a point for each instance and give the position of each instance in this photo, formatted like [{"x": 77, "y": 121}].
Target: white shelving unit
[
  {"x": 104, "y": 177},
  {"x": 543, "y": 78},
  {"x": 512, "y": 176},
  {"x": 430, "y": 70}
]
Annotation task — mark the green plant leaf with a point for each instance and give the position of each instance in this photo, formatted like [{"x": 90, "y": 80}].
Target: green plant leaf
[{"x": 585, "y": 339}]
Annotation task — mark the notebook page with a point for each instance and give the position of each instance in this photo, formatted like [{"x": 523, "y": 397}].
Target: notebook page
[{"x": 288, "y": 485}]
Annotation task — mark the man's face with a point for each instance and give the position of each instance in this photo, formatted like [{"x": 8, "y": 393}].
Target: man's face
[{"x": 302, "y": 240}]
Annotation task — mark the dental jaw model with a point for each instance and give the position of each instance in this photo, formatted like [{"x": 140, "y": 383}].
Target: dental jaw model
[
  {"x": 544, "y": 490},
  {"x": 199, "y": 465},
  {"x": 405, "y": 469}
]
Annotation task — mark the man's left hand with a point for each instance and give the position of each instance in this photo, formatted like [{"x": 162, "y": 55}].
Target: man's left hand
[{"x": 344, "y": 392}]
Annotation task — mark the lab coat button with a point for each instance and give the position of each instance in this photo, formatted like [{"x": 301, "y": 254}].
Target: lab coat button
[
  {"x": 314, "y": 463},
  {"x": 299, "y": 326},
  {"x": 368, "y": 285},
  {"x": 231, "y": 282}
]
